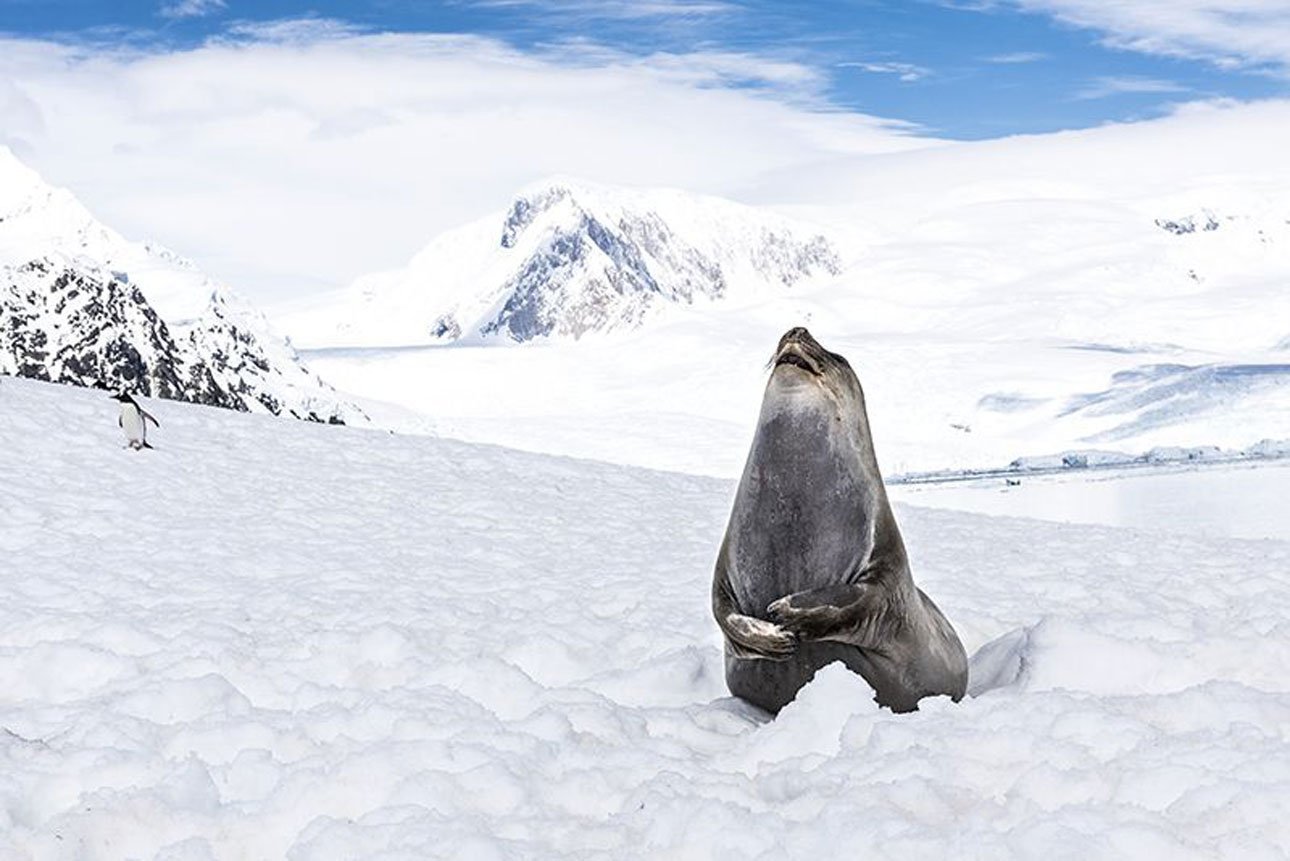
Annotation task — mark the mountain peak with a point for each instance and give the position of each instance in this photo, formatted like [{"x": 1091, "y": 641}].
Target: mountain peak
[
  {"x": 528, "y": 207},
  {"x": 84, "y": 305},
  {"x": 569, "y": 258}
]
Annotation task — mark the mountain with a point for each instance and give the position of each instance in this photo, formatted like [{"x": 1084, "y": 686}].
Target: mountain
[
  {"x": 81, "y": 304},
  {"x": 567, "y": 259}
]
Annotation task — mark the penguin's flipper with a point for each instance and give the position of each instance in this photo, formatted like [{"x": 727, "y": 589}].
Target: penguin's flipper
[{"x": 148, "y": 417}]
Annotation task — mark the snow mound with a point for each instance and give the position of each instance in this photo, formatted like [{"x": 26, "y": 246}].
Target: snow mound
[{"x": 280, "y": 640}]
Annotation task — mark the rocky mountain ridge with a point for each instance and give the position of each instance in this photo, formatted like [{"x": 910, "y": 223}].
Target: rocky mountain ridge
[{"x": 80, "y": 304}]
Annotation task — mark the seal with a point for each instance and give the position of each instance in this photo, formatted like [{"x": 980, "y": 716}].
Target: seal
[{"x": 812, "y": 568}]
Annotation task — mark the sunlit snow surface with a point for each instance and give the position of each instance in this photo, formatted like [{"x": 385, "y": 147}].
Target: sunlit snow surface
[
  {"x": 269, "y": 640},
  {"x": 1240, "y": 500}
]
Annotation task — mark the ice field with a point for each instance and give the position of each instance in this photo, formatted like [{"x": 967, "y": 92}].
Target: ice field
[{"x": 267, "y": 639}]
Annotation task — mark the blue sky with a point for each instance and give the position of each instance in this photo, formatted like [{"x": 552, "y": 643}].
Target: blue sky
[{"x": 958, "y": 69}]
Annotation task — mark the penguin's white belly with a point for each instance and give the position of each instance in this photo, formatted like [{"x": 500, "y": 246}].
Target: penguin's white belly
[{"x": 132, "y": 424}]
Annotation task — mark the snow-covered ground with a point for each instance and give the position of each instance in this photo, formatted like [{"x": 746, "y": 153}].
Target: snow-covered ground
[{"x": 273, "y": 640}]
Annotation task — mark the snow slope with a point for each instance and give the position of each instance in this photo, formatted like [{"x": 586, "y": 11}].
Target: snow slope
[
  {"x": 278, "y": 640},
  {"x": 1120, "y": 288},
  {"x": 82, "y": 304}
]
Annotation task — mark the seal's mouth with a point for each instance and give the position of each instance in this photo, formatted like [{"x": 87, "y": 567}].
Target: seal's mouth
[{"x": 790, "y": 356}]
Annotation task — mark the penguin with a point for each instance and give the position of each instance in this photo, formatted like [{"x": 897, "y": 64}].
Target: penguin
[{"x": 134, "y": 421}]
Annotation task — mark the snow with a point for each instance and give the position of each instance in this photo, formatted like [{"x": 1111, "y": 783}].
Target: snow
[
  {"x": 270, "y": 639},
  {"x": 999, "y": 299},
  {"x": 1237, "y": 499}
]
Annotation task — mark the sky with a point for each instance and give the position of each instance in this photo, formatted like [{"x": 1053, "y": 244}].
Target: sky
[{"x": 291, "y": 146}]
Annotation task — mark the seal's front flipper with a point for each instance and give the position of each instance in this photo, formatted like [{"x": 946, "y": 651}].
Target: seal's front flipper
[
  {"x": 848, "y": 613},
  {"x": 747, "y": 637}
]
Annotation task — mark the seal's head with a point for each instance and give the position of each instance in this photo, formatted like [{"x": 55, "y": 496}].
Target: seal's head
[
  {"x": 812, "y": 397},
  {"x": 801, "y": 364}
]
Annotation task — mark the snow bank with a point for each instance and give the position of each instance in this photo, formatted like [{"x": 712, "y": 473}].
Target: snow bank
[{"x": 270, "y": 640}]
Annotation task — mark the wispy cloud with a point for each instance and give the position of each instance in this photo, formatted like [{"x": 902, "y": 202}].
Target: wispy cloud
[
  {"x": 907, "y": 72},
  {"x": 971, "y": 5},
  {"x": 1017, "y": 57},
  {"x": 1231, "y": 34},
  {"x": 624, "y": 10},
  {"x": 191, "y": 8},
  {"x": 1107, "y": 86},
  {"x": 290, "y": 30}
]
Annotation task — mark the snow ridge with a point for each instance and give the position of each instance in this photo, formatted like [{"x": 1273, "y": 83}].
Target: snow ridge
[{"x": 83, "y": 305}]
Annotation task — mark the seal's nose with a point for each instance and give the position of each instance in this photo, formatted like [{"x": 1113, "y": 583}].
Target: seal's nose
[{"x": 796, "y": 335}]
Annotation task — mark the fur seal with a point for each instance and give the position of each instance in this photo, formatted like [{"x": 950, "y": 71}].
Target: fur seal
[{"x": 812, "y": 568}]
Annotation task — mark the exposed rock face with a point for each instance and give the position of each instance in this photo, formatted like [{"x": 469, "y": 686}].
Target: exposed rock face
[
  {"x": 568, "y": 259},
  {"x": 598, "y": 267},
  {"x": 1204, "y": 221},
  {"x": 78, "y": 305},
  {"x": 66, "y": 325}
]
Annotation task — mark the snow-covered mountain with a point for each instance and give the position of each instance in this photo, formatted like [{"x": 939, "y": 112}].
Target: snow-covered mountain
[
  {"x": 567, "y": 259},
  {"x": 81, "y": 304}
]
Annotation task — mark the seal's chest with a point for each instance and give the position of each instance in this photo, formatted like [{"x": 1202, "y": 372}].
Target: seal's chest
[{"x": 790, "y": 542}]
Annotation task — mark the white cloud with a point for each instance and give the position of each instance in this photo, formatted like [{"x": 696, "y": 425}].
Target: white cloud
[
  {"x": 1229, "y": 33},
  {"x": 191, "y": 8},
  {"x": 1017, "y": 57},
  {"x": 907, "y": 72},
  {"x": 303, "y": 153},
  {"x": 1103, "y": 87},
  {"x": 289, "y": 30},
  {"x": 620, "y": 9}
]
